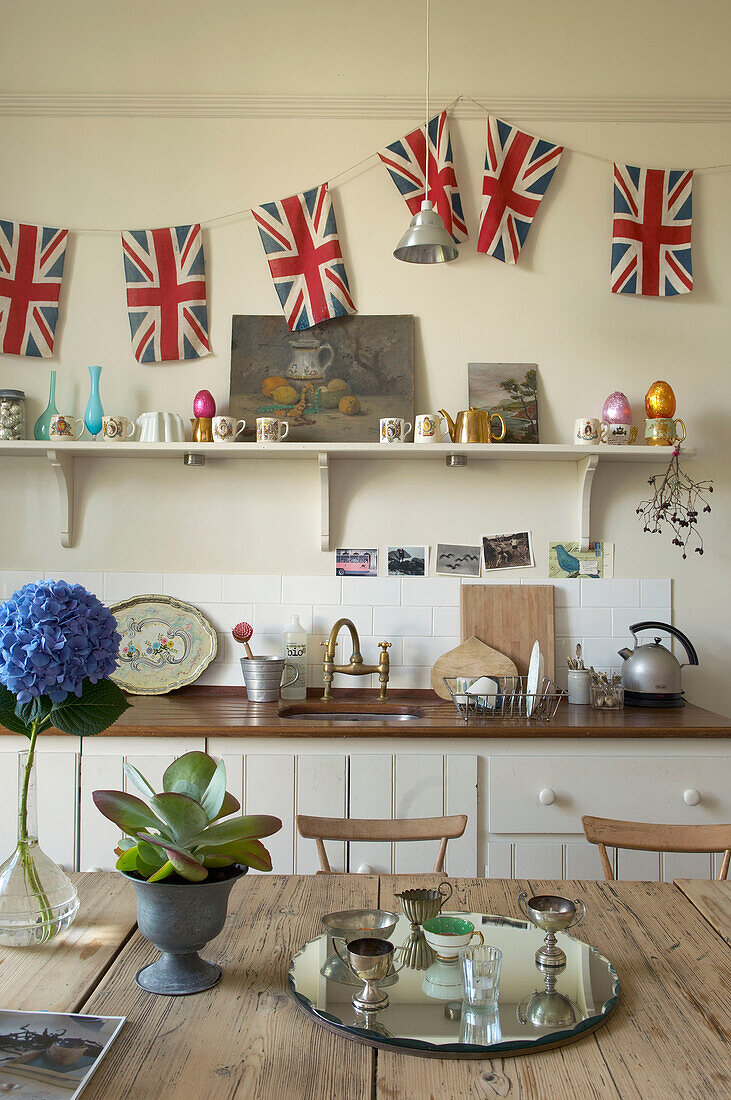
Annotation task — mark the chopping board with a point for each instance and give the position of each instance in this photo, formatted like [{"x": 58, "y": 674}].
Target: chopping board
[
  {"x": 471, "y": 658},
  {"x": 511, "y": 617}
]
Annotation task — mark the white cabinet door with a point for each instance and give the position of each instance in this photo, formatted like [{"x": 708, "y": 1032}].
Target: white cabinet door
[
  {"x": 57, "y": 771},
  {"x": 460, "y": 797},
  {"x": 269, "y": 789},
  {"x": 320, "y": 791},
  {"x": 419, "y": 793},
  {"x": 102, "y": 768},
  {"x": 371, "y": 796}
]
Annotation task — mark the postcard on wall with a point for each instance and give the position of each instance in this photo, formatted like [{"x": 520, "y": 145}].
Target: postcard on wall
[
  {"x": 356, "y": 563},
  {"x": 332, "y": 383},
  {"x": 458, "y": 560},
  {"x": 48, "y": 1055},
  {"x": 510, "y": 389},
  {"x": 513, "y": 551},
  {"x": 408, "y": 561},
  {"x": 566, "y": 560}
]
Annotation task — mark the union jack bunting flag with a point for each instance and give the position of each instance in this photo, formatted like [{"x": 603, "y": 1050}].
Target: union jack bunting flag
[
  {"x": 300, "y": 238},
  {"x": 653, "y": 212},
  {"x": 406, "y": 164},
  {"x": 166, "y": 293},
  {"x": 518, "y": 170},
  {"x": 31, "y": 270}
]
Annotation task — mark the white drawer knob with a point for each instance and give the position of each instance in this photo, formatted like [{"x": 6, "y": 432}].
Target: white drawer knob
[
  {"x": 691, "y": 797},
  {"x": 547, "y": 797}
]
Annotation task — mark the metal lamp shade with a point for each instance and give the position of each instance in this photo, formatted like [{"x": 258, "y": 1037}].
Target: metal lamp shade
[{"x": 426, "y": 241}]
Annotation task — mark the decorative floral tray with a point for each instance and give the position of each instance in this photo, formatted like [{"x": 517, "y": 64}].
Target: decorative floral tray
[{"x": 166, "y": 644}]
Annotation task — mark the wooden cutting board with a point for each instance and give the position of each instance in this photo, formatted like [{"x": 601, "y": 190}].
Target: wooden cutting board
[
  {"x": 511, "y": 617},
  {"x": 471, "y": 658}
]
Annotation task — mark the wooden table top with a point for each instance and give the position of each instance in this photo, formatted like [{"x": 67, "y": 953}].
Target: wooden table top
[
  {"x": 226, "y": 712},
  {"x": 668, "y": 1036}
]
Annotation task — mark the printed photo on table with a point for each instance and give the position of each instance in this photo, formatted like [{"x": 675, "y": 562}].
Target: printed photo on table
[
  {"x": 513, "y": 551},
  {"x": 408, "y": 561},
  {"x": 458, "y": 560},
  {"x": 356, "y": 563}
]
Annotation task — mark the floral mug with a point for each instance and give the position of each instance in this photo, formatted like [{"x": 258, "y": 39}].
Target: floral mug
[
  {"x": 64, "y": 427},
  {"x": 271, "y": 430},
  {"x": 225, "y": 430}
]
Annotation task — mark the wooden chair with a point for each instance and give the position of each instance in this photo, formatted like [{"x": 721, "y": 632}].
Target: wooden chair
[
  {"x": 321, "y": 829},
  {"x": 641, "y": 837}
]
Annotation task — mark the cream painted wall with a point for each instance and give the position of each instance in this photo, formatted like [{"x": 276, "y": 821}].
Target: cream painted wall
[{"x": 554, "y": 308}]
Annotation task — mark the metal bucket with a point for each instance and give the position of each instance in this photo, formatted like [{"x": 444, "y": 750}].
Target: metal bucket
[{"x": 263, "y": 677}]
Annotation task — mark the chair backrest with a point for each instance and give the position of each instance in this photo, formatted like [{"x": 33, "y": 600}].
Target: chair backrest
[
  {"x": 643, "y": 837},
  {"x": 321, "y": 829}
]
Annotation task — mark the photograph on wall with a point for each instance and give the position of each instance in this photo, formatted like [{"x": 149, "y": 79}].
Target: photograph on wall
[
  {"x": 514, "y": 551},
  {"x": 565, "y": 560},
  {"x": 356, "y": 563},
  {"x": 408, "y": 561},
  {"x": 44, "y": 1055},
  {"x": 458, "y": 560},
  {"x": 510, "y": 389},
  {"x": 332, "y": 383}
]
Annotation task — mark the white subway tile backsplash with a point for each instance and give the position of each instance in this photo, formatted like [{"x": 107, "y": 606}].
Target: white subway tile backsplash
[
  {"x": 122, "y": 586},
  {"x": 225, "y": 616},
  {"x": 274, "y": 618},
  {"x": 92, "y": 581},
  {"x": 314, "y": 590},
  {"x": 595, "y": 621},
  {"x": 13, "y": 579},
  {"x": 372, "y": 590},
  {"x": 371, "y": 652},
  {"x": 617, "y": 592},
  {"x": 437, "y": 591},
  {"x": 655, "y": 593},
  {"x": 425, "y": 651},
  {"x": 566, "y": 593},
  {"x": 323, "y": 619},
  {"x": 446, "y": 620},
  {"x": 403, "y": 621},
  {"x": 194, "y": 587},
  {"x": 565, "y": 648},
  {"x": 410, "y": 677},
  {"x": 242, "y": 588},
  {"x": 601, "y": 652},
  {"x": 625, "y": 617}
]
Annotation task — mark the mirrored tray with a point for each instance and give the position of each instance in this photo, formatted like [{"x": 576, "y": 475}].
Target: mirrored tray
[{"x": 426, "y": 1015}]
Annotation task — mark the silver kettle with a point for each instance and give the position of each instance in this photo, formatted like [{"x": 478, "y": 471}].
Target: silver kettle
[{"x": 651, "y": 673}]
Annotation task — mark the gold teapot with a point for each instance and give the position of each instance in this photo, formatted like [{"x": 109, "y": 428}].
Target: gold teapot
[{"x": 473, "y": 426}]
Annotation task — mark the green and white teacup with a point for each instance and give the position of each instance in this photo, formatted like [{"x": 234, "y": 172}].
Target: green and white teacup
[{"x": 447, "y": 935}]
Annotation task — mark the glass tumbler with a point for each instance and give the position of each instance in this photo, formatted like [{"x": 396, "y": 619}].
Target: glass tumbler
[{"x": 480, "y": 968}]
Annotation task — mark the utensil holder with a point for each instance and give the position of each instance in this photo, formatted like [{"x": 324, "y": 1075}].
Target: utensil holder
[{"x": 263, "y": 677}]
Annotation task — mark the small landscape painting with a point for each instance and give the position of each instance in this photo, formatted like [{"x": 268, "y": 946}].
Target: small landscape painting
[
  {"x": 513, "y": 551},
  {"x": 332, "y": 383},
  {"x": 510, "y": 389},
  {"x": 458, "y": 560},
  {"x": 408, "y": 561}
]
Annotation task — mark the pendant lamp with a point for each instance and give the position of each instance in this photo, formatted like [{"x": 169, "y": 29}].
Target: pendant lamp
[{"x": 426, "y": 241}]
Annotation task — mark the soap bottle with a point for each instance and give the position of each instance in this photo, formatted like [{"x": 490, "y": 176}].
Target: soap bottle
[{"x": 294, "y": 651}]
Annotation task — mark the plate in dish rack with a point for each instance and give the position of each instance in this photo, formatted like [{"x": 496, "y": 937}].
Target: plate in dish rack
[{"x": 166, "y": 644}]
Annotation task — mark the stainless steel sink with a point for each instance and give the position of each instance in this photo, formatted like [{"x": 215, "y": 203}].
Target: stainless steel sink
[{"x": 332, "y": 715}]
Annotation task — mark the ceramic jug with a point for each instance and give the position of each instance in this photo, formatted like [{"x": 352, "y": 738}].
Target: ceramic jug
[
  {"x": 473, "y": 426},
  {"x": 308, "y": 363},
  {"x": 160, "y": 427}
]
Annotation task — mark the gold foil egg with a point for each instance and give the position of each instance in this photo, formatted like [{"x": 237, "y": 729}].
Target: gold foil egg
[{"x": 660, "y": 400}]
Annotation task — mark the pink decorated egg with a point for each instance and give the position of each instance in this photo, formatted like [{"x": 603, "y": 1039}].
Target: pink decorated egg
[
  {"x": 204, "y": 403},
  {"x": 616, "y": 409}
]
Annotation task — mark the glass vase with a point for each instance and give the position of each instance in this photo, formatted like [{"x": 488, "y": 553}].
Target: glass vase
[
  {"x": 37, "y": 899},
  {"x": 40, "y": 431},
  {"x": 94, "y": 411}
]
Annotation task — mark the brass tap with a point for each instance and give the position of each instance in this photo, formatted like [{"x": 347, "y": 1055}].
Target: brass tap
[{"x": 356, "y": 666}]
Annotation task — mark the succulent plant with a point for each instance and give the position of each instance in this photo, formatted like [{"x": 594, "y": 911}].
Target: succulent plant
[{"x": 181, "y": 830}]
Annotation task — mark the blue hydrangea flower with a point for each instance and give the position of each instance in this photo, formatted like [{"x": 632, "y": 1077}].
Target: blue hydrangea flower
[{"x": 53, "y": 637}]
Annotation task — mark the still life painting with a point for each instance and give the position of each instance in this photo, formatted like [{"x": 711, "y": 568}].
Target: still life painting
[
  {"x": 332, "y": 383},
  {"x": 510, "y": 389}
]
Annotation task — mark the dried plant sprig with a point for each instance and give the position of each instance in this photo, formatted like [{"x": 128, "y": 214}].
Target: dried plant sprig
[{"x": 676, "y": 502}]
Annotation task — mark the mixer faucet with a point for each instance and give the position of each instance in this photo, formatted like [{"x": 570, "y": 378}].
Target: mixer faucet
[{"x": 356, "y": 666}]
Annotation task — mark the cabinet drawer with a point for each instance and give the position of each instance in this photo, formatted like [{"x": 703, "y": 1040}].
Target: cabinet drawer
[{"x": 548, "y": 794}]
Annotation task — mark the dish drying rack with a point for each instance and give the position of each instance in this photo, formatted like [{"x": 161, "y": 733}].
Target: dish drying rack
[{"x": 512, "y": 700}]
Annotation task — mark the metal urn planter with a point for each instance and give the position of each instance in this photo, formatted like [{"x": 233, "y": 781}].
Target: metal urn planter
[{"x": 180, "y": 920}]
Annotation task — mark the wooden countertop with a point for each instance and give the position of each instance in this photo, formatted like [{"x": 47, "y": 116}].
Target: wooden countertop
[{"x": 226, "y": 712}]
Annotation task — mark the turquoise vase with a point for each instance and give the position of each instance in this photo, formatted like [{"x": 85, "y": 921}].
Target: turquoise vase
[
  {"x": 94, "y": 411},
  {"x": 40, "y": 431}
]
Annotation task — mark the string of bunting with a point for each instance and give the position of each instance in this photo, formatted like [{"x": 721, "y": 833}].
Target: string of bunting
[{"x": 165, "y": 267}]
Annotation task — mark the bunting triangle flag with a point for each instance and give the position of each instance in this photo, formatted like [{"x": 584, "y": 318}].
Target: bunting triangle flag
[
  {"x": 406, "y": 163},
  {"x": 31, "y": 273},
  {"x": 165, "y": 273},
  {"x": 302, "y": 246},
  {"x": 518, "y": 170},
  {"x": 653, "y": 215}
]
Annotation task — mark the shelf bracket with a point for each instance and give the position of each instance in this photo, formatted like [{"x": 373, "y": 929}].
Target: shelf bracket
[
  {"x": 323, "y": 465},
  {"x": 63, "y": 467},
  {"x": 586, "y": 468}
]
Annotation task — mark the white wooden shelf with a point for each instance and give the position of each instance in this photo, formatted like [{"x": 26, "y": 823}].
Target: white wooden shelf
[{"x": 62, "y": 457}]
